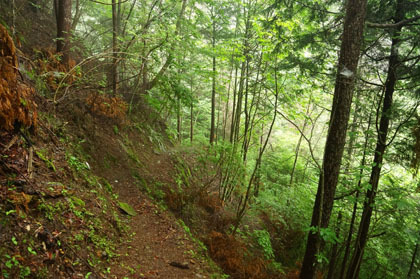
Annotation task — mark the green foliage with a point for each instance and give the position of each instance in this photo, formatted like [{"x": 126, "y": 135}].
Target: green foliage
[
  {"x": 263, "y": 239},
  {"x": 75, "y": 163},
  {"x": 127, "y": 208},
  {"x": 42, "y": 154}
]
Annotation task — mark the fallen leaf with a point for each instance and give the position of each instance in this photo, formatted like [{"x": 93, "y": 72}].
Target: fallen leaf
[{"x": 125, "y": 207}]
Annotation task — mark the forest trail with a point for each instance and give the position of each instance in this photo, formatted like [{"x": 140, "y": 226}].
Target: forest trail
[
  {"x": 156, "y": 245},
  {"x": 157, "y": 242}
]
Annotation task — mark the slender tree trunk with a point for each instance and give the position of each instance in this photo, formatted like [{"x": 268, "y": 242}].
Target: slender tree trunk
[
  {"x": 228, "y": 99},
  {"x": 355, "y": 205},
  {"x": 247, "y": 116},
  {"x": 232, "y": 126},
  {"x": 347, "y": 66},
  {"x": 381, "y": 145},
  {"x": 191, "y": 114},
  {"x": 150, "y": 84},
  {"x": 226, "y": 112},
  {"x": 256, "y": 99},
  {"x": 334, "y": 252},
  {"x": 76, "y": 17},
  {"x": 239, "y": 103},
  {"x": 219, "y": 110},
  {"x": 63, "y": 18},
  {"x": 413, "y": 261},
  {"x": 242, "y": 77},
  {"x": 233, "y": 65},
  {"x": 213, "y": 83},
  {"x": 178, "y": 118},
  {"x": 297, "y": 150},
  {"x": 353, "y": 130},
  {"x": 115, "y": 29},
  {"x": 244, "y": 201}
]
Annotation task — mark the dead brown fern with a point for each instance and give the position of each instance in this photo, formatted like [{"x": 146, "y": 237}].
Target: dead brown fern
[
  {"x": 53, "y": 69},
  {"x": 234, "y": 257},
  {"x": 17, "y": 103},
  {"x": 111, "y": 107}
]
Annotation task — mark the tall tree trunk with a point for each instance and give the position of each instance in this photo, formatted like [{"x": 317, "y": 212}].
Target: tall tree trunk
[
  {"x": 219, "y": 110},
  {"x": 413, "y": 261},
  {"x": 243, "y": 76},
  {"x": 254, "y": 176},
  {"x": 76, "y": 17},
  {"x": 191, "y": 114},
  {"x": 228, "y": 99},
  {"x": 233, "y": 122},
  {"x": 213, "y": 83},
  {"x": 334, "y": 252},
  {"x": 355, "y": 205},
  {"x": 247, "y": 115},
  {"x": 239, "y": 103},
  {"x": 347, "y": 65},
  {"x": 381, "y": 145},
  {"x": 63, "y": 19},
  {"x": 297, "y": 149},
  {"x": 115, "y": 33},
  {"x": 233, "y": 65},
  {"x": 178, "y": 118}
]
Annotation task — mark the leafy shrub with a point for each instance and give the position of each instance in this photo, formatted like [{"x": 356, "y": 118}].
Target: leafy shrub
[{"x": 263, "y": 239}]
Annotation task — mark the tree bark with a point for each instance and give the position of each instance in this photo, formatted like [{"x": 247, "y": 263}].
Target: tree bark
[
  {"x": 381, "y": 145},
  {"x": 63, "y": 19},
  {"x": 347, "y": 65},
  {"x": 213, "y": 83},
  {"x": 334, "y": 252}
]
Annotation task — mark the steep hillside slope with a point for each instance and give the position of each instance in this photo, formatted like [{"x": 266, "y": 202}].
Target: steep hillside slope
[{"x": 83, "y": 214}]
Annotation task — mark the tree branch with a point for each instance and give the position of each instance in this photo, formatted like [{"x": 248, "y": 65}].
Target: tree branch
[{"x": 392, "y": 25}]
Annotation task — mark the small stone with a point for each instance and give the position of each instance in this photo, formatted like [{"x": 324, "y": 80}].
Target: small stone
[{"x": 183, "y": 265}]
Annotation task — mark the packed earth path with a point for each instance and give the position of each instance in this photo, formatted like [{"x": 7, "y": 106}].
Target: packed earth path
[
  {"x": 156, "y": 244},
  {"x": 160, "y": 247}
]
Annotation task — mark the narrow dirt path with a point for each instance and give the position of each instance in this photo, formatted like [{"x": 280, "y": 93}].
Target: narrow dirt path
[
  {"x": 158, "y": 247},
  {"x": 158, "y": 243}
]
